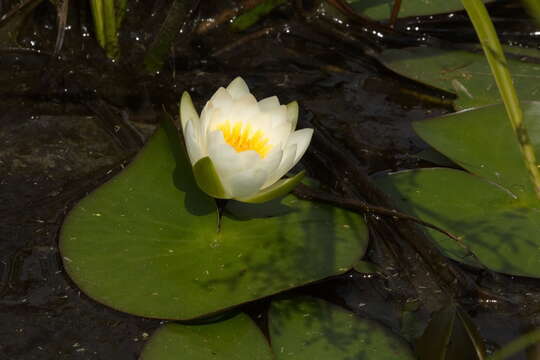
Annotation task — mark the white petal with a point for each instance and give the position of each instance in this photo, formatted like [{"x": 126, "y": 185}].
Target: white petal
[
  {"x": 286, "y": 164},
  {"x": 269, "y": 104},
  {"x": 187, "y": 111},
  {"x": 301, "y": 138},
  {"x": 244, "y": 108},
  {"x": 226, "y": 159},
  {"x": 246, "y": 183},
  {"x": 221, "y": 99},
  {"x": 205, "y": 122},
  {"x": 279, "y": 116},
  {"x": 262, "y": 121},
  {"x": 271, "y": 162},
  {"x": 213, "y": 117},
  {"x": 193, "y": 146},
  {"x": 292, "y": 114},
  {"x": 279, "y": 135},
  {"x": 238, "y": 88}
]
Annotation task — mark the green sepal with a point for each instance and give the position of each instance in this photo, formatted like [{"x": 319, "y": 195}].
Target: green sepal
[
  {"x": 279, "y": 188},
  {"x": 207, "y": 178}
]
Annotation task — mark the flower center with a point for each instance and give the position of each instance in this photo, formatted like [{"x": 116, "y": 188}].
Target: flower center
[{"x": 243, "y": 138}]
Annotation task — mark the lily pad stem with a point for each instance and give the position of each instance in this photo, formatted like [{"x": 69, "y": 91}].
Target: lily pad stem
[{"x": 395, "y": 11}]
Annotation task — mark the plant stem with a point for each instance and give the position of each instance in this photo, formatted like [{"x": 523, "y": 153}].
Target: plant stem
[
  {"x": 495, "y": 56},
  {"x": 395, "y": 12},
  {"x": 306, "y": 193}
]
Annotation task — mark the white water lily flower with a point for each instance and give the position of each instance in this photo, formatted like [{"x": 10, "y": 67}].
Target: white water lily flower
[{"x": 240, "y": 148}]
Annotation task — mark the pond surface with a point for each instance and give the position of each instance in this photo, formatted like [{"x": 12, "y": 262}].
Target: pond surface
[{"x": 72, "y": 121}]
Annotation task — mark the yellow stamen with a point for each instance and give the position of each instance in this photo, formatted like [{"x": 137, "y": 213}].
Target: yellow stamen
[{"x": 243, "y": 138}]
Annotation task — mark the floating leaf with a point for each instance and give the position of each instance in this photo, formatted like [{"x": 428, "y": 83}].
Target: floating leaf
[
  {"x": 451, "y": 334},
  {"x": 233, "y": 339},
  {"x": 433, "y": 156},
  {"x": 464, "y": 73},
  {"x": 314, "y": 329},
  {"x": 482, "y": 142},
  {"x": 496, "y": 212},
  {"x": 366, "y": 267},
  {"x": 147, "y": 242},
  {"x": 381, "y": 9}
]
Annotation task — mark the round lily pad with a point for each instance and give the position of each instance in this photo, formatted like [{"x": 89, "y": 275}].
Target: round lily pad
[
  {"x": 306, "y": 329},
  {"x": 494, "y": 207},
  {"x": 234, "y": 339},
  {"x": 148, "y": 242},
  {"x": 465, "y": 73}
]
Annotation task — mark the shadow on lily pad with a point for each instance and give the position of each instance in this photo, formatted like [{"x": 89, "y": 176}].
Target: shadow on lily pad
[{"x": 143, "y": 245}]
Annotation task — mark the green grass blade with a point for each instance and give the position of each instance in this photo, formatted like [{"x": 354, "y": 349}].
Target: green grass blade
[
  {"x": 111, "y": 38},
  {"x": 99, "y": 27}
]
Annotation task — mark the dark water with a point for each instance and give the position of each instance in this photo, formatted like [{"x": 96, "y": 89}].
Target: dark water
[{"x": 71, "y": 121}]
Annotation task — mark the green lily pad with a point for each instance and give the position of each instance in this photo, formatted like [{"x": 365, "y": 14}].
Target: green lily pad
[
  {"x": 434, "y": 157},
  {"x": 381, "y": 9},
  {"x": 314, "y": 329},
  {"x": 464, "y": 73},
  {"x": 147, "y": 242},
  {"x": 483, "y": 142},
  {"x": 496, "y": 211},
  {"x": 234, "y": 339}
]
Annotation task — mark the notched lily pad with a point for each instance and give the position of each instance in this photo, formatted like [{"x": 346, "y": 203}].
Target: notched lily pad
[
  {"x": 234, "y": 339},
  {"x": 309, "y": 329},
  {"x": 464, "y": 73},
  {"x": 496, "y": 212},
  {"x": 146, "y": 242}
]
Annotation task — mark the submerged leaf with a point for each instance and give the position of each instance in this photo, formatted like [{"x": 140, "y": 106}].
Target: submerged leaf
[
  {"x": 450, "y": 334},
  {"x": 11, "y": 22},
  {"x": 161, "y": 46}
]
